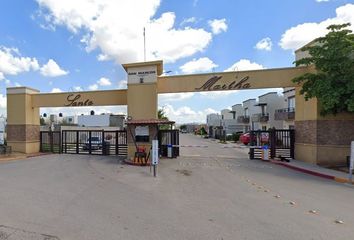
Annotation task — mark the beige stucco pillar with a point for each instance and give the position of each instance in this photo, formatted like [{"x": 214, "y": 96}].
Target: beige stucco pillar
[
  {"x": 142, "y": 95},
  {"x": 321, "y": 140},
  {"x": 22, "y": 120}
]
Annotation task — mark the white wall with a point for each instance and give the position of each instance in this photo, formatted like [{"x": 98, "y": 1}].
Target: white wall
[
  {"x": 273, "y": 101},
  {"x": 225, "y": 113},
  {"x": 252, "y": 109},
  {"x": 213, "y": 119},
  {"x": 93, "y": 120}
]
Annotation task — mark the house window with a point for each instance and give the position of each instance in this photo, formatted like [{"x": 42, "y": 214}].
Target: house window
[
  {"x": 291, "y": 103},
  {"x": 264, "y": 110},
  {"x": 246, "y": 112}
]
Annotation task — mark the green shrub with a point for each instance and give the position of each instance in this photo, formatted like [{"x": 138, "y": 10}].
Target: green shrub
[{"x": 234, "y": 137}]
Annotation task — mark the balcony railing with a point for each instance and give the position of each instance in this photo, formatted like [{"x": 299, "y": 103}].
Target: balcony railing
[
  {"x": 260, "y": 117},
  {"x": 285, "y": 114},
  {"x": 243, "y": 119}
]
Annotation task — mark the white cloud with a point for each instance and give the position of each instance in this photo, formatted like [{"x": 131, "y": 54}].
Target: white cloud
[
  {"x": 77, "y": 89},
  {"x": 2, "y": 101},
  {"x": 7, "y": 82},
  {"x": 123, "y": 84},
  {"x": 298, "y": 36},
  {"x": 93, "y": 87},
  {"x": 111, "y": 27},
  {"x": 218, "y": 25},
  {"x": 104, "y": 82},
  {"x": 103, "y": 57},
  {"x": 186, "y": 114},
  {"x": 243, "y": 65},
  {"x": 56, "y": 90},
  {"x": 168, "y": 97},
  {"x": 322, "y": 0},
  {"x": 52, "y": 69},
  {"x": 198, "y": 65},
  {"x": 188, "y": 20},
  {"x": 12, "y": 63},
  {"x": 264, "y": 44}
]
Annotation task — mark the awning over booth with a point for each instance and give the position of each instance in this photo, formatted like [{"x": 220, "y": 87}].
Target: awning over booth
[{"x": 149, "y": 122}]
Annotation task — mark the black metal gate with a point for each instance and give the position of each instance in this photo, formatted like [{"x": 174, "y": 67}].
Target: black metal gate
[
  {"x": 95, "y": 142},
  {"x": 281, "y": 143},
  {"x": 166, "y": 138},
  {"x": 50, "y": 141}
]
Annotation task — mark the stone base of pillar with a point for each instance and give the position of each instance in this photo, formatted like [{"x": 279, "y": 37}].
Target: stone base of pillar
[
  {"x": 23, "y": 138},
  {"x": 323, "y": 142},
  {"x": 24, "y": 147}
]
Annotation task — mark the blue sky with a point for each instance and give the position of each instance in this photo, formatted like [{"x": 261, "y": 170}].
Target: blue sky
[{"x": 77, "y": 45}]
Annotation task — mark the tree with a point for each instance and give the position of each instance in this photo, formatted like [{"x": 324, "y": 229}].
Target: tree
[
  {"x": 42, "y": 121},
  {"x": 183, "y": 127},
  {"x": 333, "y": 84},
  {"x": 161, "y": 114}
]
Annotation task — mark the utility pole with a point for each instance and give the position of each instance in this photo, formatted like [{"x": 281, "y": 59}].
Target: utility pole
[{"x": 144, "y": 46}]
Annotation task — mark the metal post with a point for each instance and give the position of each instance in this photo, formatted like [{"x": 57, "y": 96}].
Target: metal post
[
  {"x": 155, "y": 170},
  {"x": 351, "y": 164},
  {"x": 77, "y": 141}
]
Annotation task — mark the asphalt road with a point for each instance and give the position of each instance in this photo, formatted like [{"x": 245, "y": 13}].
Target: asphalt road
[{"x": 211, "y": 192}]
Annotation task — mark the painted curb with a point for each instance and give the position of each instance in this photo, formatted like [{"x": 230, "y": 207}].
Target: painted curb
[{"x": 314, "y": 173}]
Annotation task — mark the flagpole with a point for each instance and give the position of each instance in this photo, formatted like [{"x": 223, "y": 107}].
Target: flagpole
[{"x": 144, "y": 46}]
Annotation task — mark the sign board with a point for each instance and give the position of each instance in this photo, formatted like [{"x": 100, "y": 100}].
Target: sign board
[
  {"x": 138, "y": 75},
  {"x": 75, "y": 100},
  {"x": 142, "y": 131},
  {"x": 155, "y": 152}
]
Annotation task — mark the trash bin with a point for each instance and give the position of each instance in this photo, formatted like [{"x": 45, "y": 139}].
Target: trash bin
[
  {"x": 265, "y": 153},
  {"x": 105, "y": 148},
  {"x": 169, "y": 151}
]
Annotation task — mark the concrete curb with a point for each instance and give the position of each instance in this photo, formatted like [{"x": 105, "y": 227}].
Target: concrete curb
[
  {"x": 23, "y": 157},
  {"x": 314, "y": 173}
]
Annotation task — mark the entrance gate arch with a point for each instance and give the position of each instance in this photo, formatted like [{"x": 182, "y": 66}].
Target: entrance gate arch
[{"x": 145, "y": 82}]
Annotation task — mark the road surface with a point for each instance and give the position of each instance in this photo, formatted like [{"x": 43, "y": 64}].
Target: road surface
[{"x": 211, "y": 192}]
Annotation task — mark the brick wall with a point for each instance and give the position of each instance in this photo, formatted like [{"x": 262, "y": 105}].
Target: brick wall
[{"x": 325, "y": 132}]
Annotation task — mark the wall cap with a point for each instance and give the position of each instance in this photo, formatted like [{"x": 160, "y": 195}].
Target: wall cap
[{"x": 19, "y": 90}]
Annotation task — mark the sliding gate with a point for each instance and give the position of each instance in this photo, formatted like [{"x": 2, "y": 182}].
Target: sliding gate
[
  {"x": 50, "y": 141},
  {"x": 95, "y": 142},
  {"x": 281, "y": 143},
  {"x": 169, "y": 138}
]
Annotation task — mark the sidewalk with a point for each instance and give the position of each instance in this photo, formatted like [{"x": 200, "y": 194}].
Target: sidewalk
[{"x": 315, "y": 170}]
